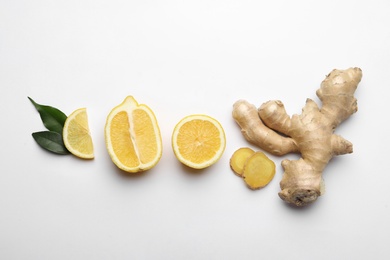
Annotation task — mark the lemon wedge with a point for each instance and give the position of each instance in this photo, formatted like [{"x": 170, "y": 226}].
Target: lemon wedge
[{"x": 76, "y": 134}]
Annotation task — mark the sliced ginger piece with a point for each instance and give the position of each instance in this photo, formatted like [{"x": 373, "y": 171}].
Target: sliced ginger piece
[
  {"x": 239, "y": 158},
  {"x": 259, "y": 170}
]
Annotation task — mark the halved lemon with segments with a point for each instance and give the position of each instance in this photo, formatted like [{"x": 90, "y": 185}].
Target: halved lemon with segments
[
  {"x": 76, "y": 134},
  {"x": 133, "y": 137},
  {"x": 198, "y": 141}
]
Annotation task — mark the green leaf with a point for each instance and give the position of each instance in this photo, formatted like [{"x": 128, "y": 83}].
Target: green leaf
[
  {"x": 51, "y": 141},
  {"x": 52, "y": 118}
]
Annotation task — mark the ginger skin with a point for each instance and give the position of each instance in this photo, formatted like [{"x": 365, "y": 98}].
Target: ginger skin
[{"x": 311, "y": 133}]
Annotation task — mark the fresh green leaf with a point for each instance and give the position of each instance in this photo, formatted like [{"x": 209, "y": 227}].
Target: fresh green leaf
[
  {"x": 51, "y": 141},
  {"x": 52, "y": 118}
]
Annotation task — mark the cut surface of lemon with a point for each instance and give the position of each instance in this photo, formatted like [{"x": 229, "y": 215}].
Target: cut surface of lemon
[
  {"x": 133, "y": 137},
  {"x": 76, "y": 134},
  {"x": 198, "y": 141}
]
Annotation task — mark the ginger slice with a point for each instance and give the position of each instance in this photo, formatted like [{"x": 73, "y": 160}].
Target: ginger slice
[
  {"x": 259, "y": 170},
  {"x": 239, "y": 158}
]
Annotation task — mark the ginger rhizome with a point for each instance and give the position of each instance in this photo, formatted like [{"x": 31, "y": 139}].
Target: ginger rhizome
[{"x": 311, "y": 133}]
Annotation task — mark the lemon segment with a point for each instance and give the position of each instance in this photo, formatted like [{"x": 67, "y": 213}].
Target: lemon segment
[
  {"x": 76, "y": 134},
  {"x": 198, "y": 141}
]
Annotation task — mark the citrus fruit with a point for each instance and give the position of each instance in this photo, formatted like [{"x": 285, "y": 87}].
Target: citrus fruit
[
  {"x": 198, "y": 141},
  {"x": 133, "y": 138},
  {"x": 76, "y": 135}
]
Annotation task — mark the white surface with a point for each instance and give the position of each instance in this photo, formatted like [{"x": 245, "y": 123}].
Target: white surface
[{"x": 184, "y": 57}]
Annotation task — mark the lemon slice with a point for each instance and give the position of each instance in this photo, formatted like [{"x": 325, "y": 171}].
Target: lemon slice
[
  {"x": 76, "y": 134},
  {"x": 133, "y": 137},
  {"x": 198, "y": 141}
]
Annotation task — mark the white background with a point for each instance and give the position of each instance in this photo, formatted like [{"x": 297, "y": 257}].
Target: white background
[{"x": 180, "y": 58}]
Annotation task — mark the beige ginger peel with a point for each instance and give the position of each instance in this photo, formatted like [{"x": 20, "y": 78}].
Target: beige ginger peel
[{"x": 311, "y": 133}]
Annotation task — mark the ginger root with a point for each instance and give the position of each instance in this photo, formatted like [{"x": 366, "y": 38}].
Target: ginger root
[{"x": 311, "y": 133}]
